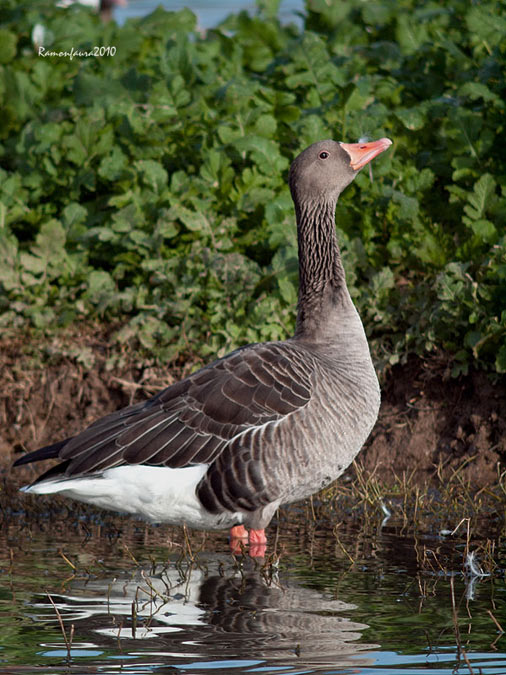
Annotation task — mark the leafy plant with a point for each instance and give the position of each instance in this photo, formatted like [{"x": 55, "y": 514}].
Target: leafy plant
[{"x": 148, "y": 187}]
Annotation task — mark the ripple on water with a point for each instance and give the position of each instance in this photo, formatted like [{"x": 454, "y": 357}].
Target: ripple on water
[{"x": 314, "y": 611}]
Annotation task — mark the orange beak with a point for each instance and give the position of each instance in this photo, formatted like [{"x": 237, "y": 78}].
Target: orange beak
[{"x": 362, "y": 153}]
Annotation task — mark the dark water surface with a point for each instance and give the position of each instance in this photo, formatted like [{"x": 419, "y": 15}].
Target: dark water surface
[{"x": 147, "y": 600}]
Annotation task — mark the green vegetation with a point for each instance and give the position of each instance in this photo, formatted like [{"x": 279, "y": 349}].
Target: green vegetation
[{"x": 148, "y": 188}]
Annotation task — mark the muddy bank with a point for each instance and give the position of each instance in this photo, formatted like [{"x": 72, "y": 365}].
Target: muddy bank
[
  {"x": 428, "y": 425},
  {"x": 433, "y": 425}
]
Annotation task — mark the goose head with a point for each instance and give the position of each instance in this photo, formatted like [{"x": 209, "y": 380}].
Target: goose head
[{"x": 323, "y": 170}]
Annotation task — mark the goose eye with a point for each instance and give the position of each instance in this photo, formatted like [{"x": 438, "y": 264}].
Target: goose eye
[{"x": 323, "y": 155}]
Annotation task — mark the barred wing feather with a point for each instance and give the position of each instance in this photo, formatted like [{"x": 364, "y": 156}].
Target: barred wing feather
[{"x": 192, "y": 421}]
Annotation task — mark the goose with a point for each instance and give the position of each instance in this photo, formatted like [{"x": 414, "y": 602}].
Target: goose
[{"x": 268, "y": 424}]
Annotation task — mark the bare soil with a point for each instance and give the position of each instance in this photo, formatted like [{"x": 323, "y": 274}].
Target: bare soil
[
  {"x": 434, "y": 425},
  {"x": 429, "y": 425}
]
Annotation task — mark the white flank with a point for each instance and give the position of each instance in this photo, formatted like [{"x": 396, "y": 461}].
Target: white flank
[{"x": 158, "y": 494}]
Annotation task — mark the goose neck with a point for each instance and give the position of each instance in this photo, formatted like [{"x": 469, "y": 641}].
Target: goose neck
[{"x": 322, "y": 282}]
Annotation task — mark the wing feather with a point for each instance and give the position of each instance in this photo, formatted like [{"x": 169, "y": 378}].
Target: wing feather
[{"x": 195, "y": 420}]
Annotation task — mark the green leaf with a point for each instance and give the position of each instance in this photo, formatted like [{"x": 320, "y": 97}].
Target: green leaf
[
  {"x": 77, "y": 152},
  {"x": 411, "y": 34},
  {"x": 196, "y": 222},
  {"x": 266, "y": 126},
  {"x": 412, "y": 118},
  {"x": 8, "y": 43},
  {"x": 153, "y": 174},
  {"x": 89, "y": 88},
  {"x": 310, "y": 128},
  {"x": 49, "y": 247},
  {"x": 101, "y": 289},
  {"x": 484, "y": 229},
  {"x": 382, "y": 281},
  {"x": 229, "y": 134},
  {"x": 479, "y": 201},
  {"x": 74, "y": 214},
  {"x": 288, "y": 291},
  {"x": 113, "y": 167},
  {"x": 486, "y": 25},
  {"x": 500, "y": 361},
  {"x": 360, "y": 97},
  {"x": 9, "y": 276},
  {"x": 476, "y": 90}
]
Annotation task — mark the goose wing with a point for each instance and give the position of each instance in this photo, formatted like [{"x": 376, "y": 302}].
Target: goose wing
[{"x": 192, "y": 421}]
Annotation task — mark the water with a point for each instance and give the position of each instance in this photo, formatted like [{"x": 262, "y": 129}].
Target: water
[
  {"x": 209, "y": 13},
  {"x": 135, "y": 599}
]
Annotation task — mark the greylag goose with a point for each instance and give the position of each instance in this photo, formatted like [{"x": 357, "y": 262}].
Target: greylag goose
[{"x": 270, "y": 423}]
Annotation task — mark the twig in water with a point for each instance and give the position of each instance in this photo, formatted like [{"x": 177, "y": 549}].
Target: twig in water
[
  {"x": 125, "y": 547},
  {"x": 67, "y": 560},
  {"x": 499, "y": 627},
  {"x": 468, "y": 537},
  {"x": 188, "y": 546},
  {"x": 68, "y": 641},
  {"x": 338, "y": 540},
  {"x": 109, "y": 596},
  {"x": 134, "y": 619}
]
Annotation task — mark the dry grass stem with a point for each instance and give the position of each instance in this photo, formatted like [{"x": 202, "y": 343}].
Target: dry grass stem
[
  {"x": 499, "y": 627},
  {"x": 68, "y": 640}
]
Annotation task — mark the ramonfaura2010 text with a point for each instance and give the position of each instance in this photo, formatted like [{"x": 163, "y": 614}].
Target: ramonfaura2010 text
[{"x": 78, "y": 53}]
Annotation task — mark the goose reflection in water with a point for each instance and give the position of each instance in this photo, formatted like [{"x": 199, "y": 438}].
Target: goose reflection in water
[{"x": 210, "y": 612}]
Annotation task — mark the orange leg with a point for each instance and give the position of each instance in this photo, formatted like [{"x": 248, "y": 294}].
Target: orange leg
[
  {"x": 238, "y": 532},
  {"x": 237, "y": 535},
  {"x": 257, "y": 543},
  {"x": 256, "y": 538}
]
